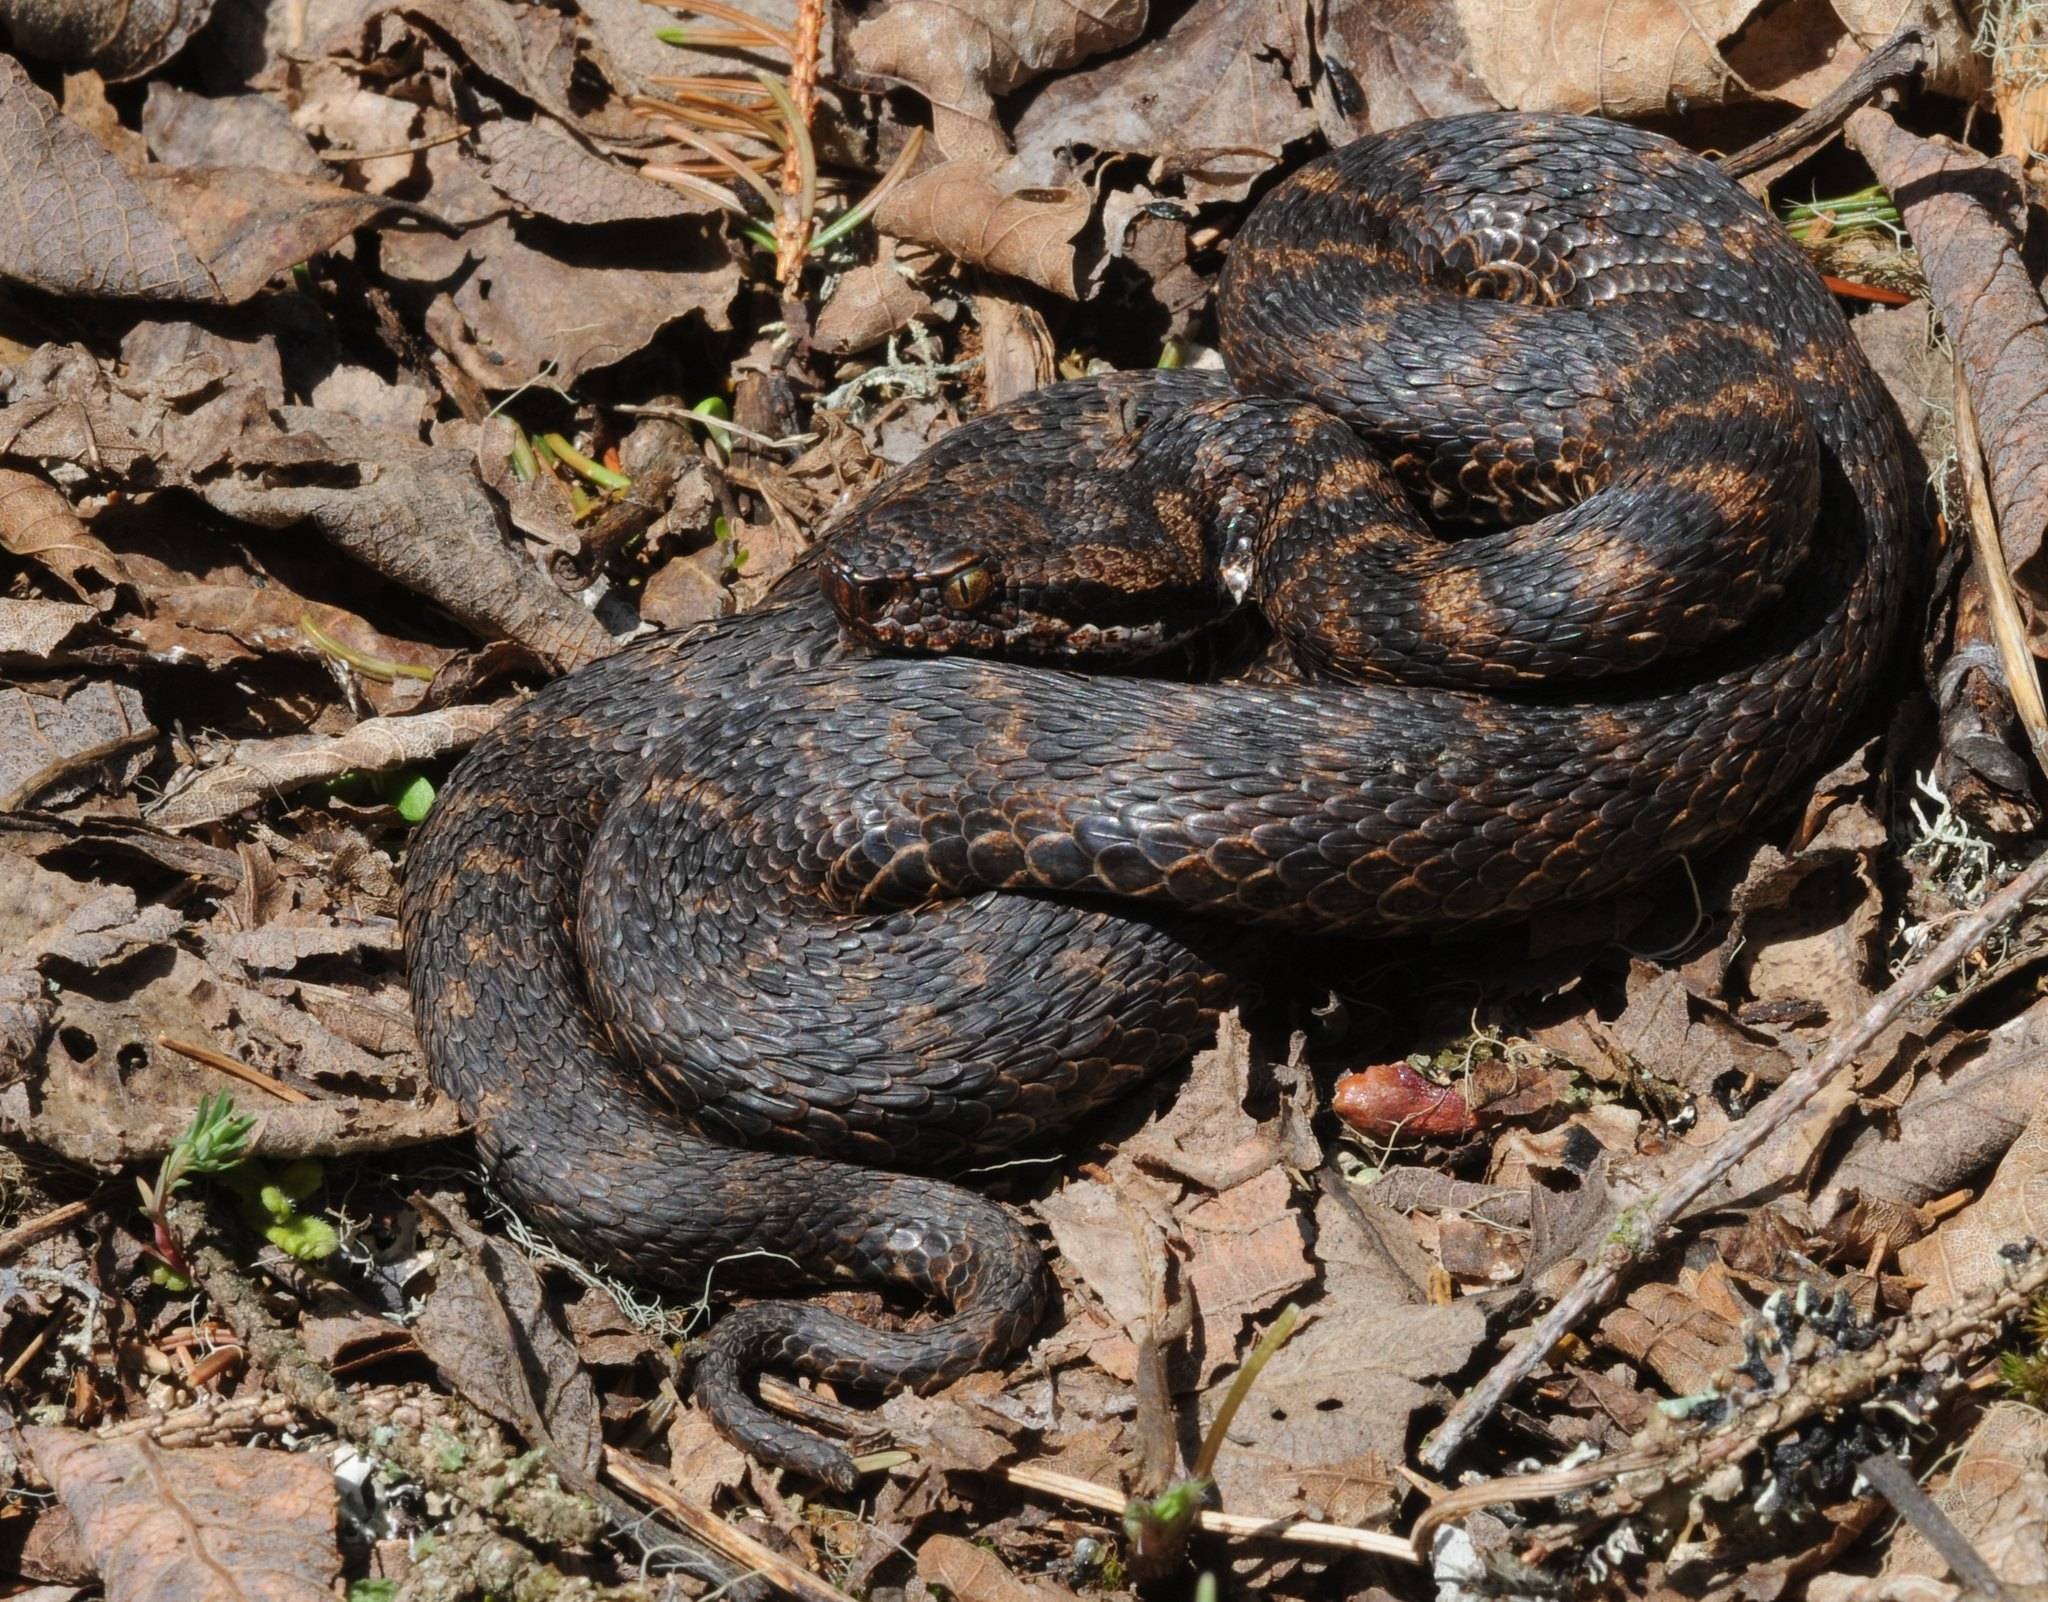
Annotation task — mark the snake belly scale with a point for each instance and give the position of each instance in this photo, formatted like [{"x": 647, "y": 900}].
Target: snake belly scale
[{"x": 705, "y": 932}]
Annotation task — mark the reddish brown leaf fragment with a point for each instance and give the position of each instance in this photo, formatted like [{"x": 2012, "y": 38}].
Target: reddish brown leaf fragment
[{"x": 196, "y": 1526}]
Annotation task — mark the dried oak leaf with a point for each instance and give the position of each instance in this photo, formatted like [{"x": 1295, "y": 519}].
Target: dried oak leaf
[
  {"x": 963, "y": 209},
  {"x": 1211, "y": 99},
  {"x": 419, "y": 516},
  {"x": 188, "y": 130},
  {"x": 962, "y": 55},
  {"x": 540, "y": 167},
  {"x": 261, "y": 770},
  {"x": 35, "y": 631},
  {"x": 1956, "y": 1120},
  {"x": 1997, "y": 1495},
  {"x": 118, "y": 39},
  {"x": 1236, "y": 1238},
  {"x": 196, "y": 1525},
  {"x": 38, "y": 524},
  {"x": 975, "y": 1574},
  {"x": 248, "y": 224}
]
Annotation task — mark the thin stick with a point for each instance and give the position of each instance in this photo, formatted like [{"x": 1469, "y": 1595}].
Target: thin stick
[
  {"x": 1341, "y": 1537},
  {"x": 1642, "y": 1228},
  {"x": 1894, "y": 1481},
  {"x": 22, "y": 1236},
  {"x": 412, "y": 149},
  {"x": 2008, "y": 627},
  {"x": 234, "y": 1069},
  {"x": 724, "y": 1538}
]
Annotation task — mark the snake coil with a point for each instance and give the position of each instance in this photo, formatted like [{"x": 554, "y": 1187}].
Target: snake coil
[{"x": 706, "y": 930}]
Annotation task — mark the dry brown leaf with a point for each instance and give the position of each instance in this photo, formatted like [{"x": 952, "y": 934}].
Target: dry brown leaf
[
  {"x": 961, "y": 208},
  {"x": 56, "y": 739},
  {"x": 188, "y": 130},
  {"x": 962, "y": 55},
  {"x": 1963, "y": 1254},
  {"x": 1955, "y": 1122},
  {"x": 1619, "y": 58},
  {"x": 544, "y": 169},
  {"x": 1389, "y": 62},
  {"x": 1997, "y": 1495},
  {"x": 50, "y": 916},
  {"x": 36, "y": 630},
  {"x": 523, "y": 312},
  {"x": 975, "y": 1574},
  {"x": 1210, "y": 99},
  {"x": 488, "y": 1327},
  {"x": 38, "y": 524},
  {"x": 201, "y": 1525},
  {"x": 262, "y": 770},
  {"x": 1338, "y": 1401},
  {"x": 420, "y": 517},
  {"x": 80, "y": 224},
  {"x": 868, "y": 305},
  {"x": 119, "y": 39},
  {"x": 1967, "y": 216},
  {"x": 249, "y": 224}
]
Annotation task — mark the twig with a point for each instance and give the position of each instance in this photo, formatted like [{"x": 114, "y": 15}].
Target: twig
[
  {"x": 799, "y": 193},
  {"x": 722, "y": 1537},
  {"x": 233, "y": 1068},
  {"x": 1894, "y": 1481},
  {"x": 1901, "y": 56},
  {"x": 1341, "y": 1537},
  {"x": 2008, "y": 627},
  {"x": 460, "y": 131},
  {"x": 1642, "y": 1229},
  {"x": 24, "y": 1235}
]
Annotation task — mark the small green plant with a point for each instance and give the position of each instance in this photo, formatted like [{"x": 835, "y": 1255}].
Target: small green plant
[
  {"x": 1157, "y": 1526},
  {"x": 1865, "y": 211},
  {"x": 734, "y": 555},
  {"x": 216, "y": 1143},
  {"x": 2026, "y": 1372}
]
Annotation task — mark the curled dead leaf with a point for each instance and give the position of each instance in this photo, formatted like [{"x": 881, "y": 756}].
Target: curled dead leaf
[
  {"x": 962, "y": 54},
  {"x": 963, "y": 209},
  {"x": 119, "y": 39}
]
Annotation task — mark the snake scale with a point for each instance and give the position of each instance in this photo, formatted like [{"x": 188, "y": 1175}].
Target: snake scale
[{"x": 705, "y": 931}]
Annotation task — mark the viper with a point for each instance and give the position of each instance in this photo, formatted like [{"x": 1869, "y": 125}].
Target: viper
[{"x": 1578, "y": 525}]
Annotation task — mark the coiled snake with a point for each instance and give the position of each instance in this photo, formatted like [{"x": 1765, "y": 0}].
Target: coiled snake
[{"x": 706, "y": 928}]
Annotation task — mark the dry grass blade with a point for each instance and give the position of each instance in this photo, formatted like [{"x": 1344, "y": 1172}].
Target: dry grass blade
[
  {"x": 2008, "y": 627},
  {"x": 1337, "y": 1537}
]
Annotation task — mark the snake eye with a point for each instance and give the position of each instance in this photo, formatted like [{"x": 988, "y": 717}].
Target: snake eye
[{"x": 968, "y": 588}]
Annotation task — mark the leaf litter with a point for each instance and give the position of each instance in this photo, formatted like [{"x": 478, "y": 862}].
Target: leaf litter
[{"x": 370, "y": 364}]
